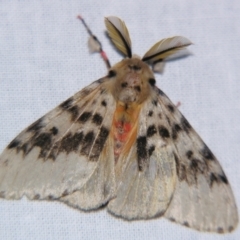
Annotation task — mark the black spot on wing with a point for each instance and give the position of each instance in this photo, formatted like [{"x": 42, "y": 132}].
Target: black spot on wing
[
  {"x": 194, "y": 165},
  {"x": 206, "y": 153},
  {"x": 36, "y": 126},
  {"x": 74, "y": 111},
  {"x": 175, "y": 130},
  {"x": 154, "y": 102},
  {"x": 19, "y": 146},
  {"x": 181, "y": 169},
  {"x": 25, "y": 148},
  {"x": 67, "y": 104},
  {"x": 223, "y": 178},
  {"x": 151, "y": 130},
  {"x": 71, "y": 142},
  {"x": 185, "y": 124},
  {"x": 99, "y": 143},
  {"x": 151, "y": 150},
  {"x": 87, "y": 143},
  {"x": 170, "y": 108},
  {"x": 54, "y": 130},
  {"x": 13, "y": 144},
  {"x": 141, "y": 152},
  {"x": 197, "y": 167},
  {"x": 85, "y": 117},
  {"x": 163, "y": 132},
  {"x": 150, "y": 113},
  {"x": 189, "y": 154},
  {"x": 44, "y": 142},
  {"x": 213, "y": 178},
  {"x": 69, "y": 107},
  {"x": 97, "y": 119},
  {"x": 194, "y": 168},
  {"x": 218, "y": 178},
  {"x": 111, "y": 74}
]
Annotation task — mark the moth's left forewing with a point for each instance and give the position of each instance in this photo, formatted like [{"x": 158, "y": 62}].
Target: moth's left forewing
[{"x": 203, "y": 198}]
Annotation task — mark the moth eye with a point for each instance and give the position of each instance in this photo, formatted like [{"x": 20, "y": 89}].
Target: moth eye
[
  {"x": 152, "y": 81},
  {"x": 111, "y": 74}
]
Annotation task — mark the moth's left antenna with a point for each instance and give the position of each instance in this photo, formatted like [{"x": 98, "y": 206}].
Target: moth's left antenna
[{"x": 94, "y": 44}]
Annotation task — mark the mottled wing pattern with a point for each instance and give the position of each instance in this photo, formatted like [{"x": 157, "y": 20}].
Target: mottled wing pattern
[
  {"x": 146, "y": 176},
  {"x": 203, "y": 198},
  {"x": 65, "y": 155}
]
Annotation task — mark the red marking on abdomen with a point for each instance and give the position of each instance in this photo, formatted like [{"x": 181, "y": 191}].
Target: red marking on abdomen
[
  {"x": 124, "y": 127},
  {"x": 122, "y": 130}
]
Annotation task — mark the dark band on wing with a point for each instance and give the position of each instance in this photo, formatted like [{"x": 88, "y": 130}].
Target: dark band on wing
[{"x": 142, "y": 153}]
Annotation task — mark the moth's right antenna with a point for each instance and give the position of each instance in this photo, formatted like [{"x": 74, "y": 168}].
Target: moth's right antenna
[{"x": 94, "y": 44}]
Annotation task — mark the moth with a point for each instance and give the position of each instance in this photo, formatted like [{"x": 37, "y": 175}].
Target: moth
[{"x": 121, "y": 143}]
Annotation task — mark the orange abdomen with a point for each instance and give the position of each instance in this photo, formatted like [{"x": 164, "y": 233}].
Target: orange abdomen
[{"x": 124, "y": 127}]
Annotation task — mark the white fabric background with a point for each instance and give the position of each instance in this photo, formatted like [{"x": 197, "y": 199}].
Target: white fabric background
[{"x": 44, "y": 60}]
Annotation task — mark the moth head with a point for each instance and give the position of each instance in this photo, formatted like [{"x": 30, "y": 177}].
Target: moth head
[
  {"x": 132, "y": 80},
  {"x": 165, "y": 49}
]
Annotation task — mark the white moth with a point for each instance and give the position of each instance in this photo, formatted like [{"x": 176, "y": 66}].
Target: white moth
[{"x": 121, "y": 142}]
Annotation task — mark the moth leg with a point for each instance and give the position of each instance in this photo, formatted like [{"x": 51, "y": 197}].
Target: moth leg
[{"x": 94, "y": 44}]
